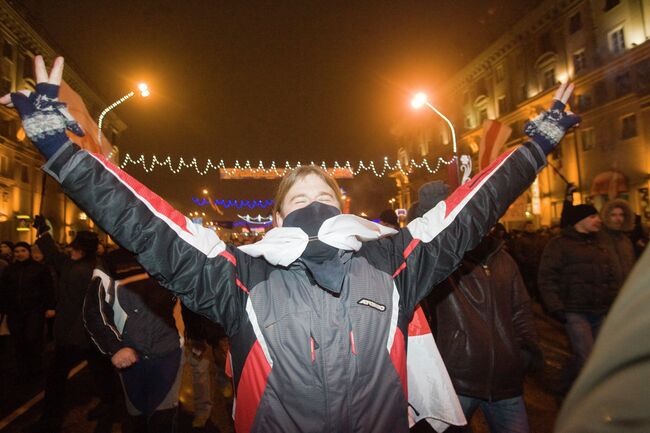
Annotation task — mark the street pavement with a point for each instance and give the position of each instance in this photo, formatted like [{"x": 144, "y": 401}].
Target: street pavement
[{"x": 20, "y": 406}]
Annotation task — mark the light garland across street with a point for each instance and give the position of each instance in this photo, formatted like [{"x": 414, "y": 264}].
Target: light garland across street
[{"x": 361, "y": 166}]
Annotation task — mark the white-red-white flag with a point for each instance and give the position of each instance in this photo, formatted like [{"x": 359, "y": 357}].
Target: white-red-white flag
[{"x": 495, "y": 135}]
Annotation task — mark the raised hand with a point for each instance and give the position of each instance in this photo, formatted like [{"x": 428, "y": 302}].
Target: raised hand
[
  {"x": 45, "y": 118},
  {"x": 549, "y": 127}
]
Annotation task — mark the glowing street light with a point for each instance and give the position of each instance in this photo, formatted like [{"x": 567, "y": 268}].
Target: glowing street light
[
  {"x": 419, "y": 100},
  {"x": 144, "y": 92}
]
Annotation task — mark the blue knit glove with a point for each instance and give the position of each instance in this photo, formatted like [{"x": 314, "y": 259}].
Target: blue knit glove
[
  {"x": 45, "y": 119},
  {"x": 548, "y": 129}
]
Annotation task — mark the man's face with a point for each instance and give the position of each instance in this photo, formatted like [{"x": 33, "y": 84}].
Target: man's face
[
  {"x": 305, "y": 191},
  {"x": 615, "y": 218},
  {"x": 21, "y": 254},
  {"x": 591, "y": 224},
  {"x": 529, "y": 228},
  {"x": 5, "y": 250}
]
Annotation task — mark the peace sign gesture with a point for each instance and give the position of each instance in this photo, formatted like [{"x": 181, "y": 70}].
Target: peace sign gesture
[
  {"x": 45, "y": 119},
  {"x": 549, "y": 127}
]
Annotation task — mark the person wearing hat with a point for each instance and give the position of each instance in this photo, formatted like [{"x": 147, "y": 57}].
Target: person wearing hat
[
  {"x": 72, "y": 344},
  {"x": 26, "y": 291},
  {"x": 576, "y": 279}
]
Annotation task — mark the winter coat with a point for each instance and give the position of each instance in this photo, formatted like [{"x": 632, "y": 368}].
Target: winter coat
[
  {"x": 125, "y": 307},
  {"x": 618, "y": 242},
  {"x": 26, "y": 287},
  {"x": 73, "y": 279},
  {"x": 611, "y": 393},
  {"x": 576, "y": 274},
  {"x": 303, "y": 359},
  {"x": 482, "y": 321}
]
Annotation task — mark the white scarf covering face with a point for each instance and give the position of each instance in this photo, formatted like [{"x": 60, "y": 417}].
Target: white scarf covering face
[{"x": 284, "y": 245}]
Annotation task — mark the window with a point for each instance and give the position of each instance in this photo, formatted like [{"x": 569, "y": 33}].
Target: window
[
  {"x": 575, "y": 23},
  {"x": 588, "y": 138},
  {"x": 24, "y": 174},
  {"x": 546, "y": 43},
  {"x": 27, "y": 67},
  {"x": 600, "y": 91},
  {"x": 482, "y": 115},
  {"x": 548, "y": 79},
  {"x": 584, "y": 102},
  {"x": 623, "y": 84},
  {"x": 500, "y": 73},
  {"x": 609, "y": 4},
  {"x": 4, "y": 165},
  {"x": 579, "y": 61},
  {"x": 8, "y": 51},
  {"x": 503, "y": 109},
  {"x": 628, "y": 126},
  {"x": 617, "y": 41},
  {"x": 5, "y": 85}
]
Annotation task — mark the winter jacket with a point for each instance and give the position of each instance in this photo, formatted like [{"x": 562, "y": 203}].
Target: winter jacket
[
  {"x": 611, "y": 393},
  {"x": 482, "y": 323},
  {"x": 303, "y": 359},
  {"x": 73, "y": 279},
  {"x": 125, "y": 307},
  {"x": 26, "y": 287},
  {"x": 618, "y": 242},
  {"x": 576, "y": 274}
]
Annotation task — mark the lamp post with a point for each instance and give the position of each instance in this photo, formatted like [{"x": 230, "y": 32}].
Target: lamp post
[
  {"x": 420, "y": 100},
  {"x": 144, "y": 92}
]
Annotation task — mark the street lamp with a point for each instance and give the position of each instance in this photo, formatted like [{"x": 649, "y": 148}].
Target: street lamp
[
  {"x": 419, "y": 100},
  {"x": 144, "y": 92}
]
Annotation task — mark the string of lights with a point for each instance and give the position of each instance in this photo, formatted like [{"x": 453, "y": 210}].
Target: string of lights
[
  {"x": 259, "y": 219},
  {"x": 261, "y": 168},
  {"x": 238, "y": 204}
]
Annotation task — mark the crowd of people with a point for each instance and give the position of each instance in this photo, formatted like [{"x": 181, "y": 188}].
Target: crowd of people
[{"x": 316, "y": 316}]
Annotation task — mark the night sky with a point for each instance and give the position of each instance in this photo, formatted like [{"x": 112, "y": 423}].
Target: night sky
[{"x": 267, "y": 80}]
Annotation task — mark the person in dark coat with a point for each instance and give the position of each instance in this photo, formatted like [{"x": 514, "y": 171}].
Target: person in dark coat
[
  {"x": 618, "y": 221},
  {"x": 27, "y": 293},
  {"x": 130, "y": 318},
  {"x": 72, "y": 344},
  {"x": 483, "y": 324},
  {"x": 576, "y": 279}
]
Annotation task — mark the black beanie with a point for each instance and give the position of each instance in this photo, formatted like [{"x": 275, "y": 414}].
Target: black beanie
[
  {"x": 580, "y": 212},
  {"x": 24, "y": 245},
  {"x": 389, "y": 216},
  {"x": 86, "y": 241},
  {"x": 430, "y": 194}
]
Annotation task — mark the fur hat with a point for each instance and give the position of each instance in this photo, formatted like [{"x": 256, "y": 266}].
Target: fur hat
[
  {"x": 580, "y": 212},
  {"x": 86, "y": 241}
]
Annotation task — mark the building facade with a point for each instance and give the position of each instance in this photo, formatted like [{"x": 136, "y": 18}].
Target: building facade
[
  {"x": 600, "y": 46},
  {"x": 23, "y": 191}
]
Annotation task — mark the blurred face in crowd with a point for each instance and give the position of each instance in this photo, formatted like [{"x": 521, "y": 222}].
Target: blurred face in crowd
[
  {"x": 21, "y": 254},
  {"x": 529, "y": 228},
  {"x": 305, "y": 191},
  {"x": 591, "y": 224},
  {"x": 5, "y": 250},
  {"x": 616, "y": 218},
  {"x": 37, "y": 254},
  {"x": 76, "y": 254}
]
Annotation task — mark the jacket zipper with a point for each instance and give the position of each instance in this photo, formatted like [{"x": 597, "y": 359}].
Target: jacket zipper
[{"x": 491, "y": 324}]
